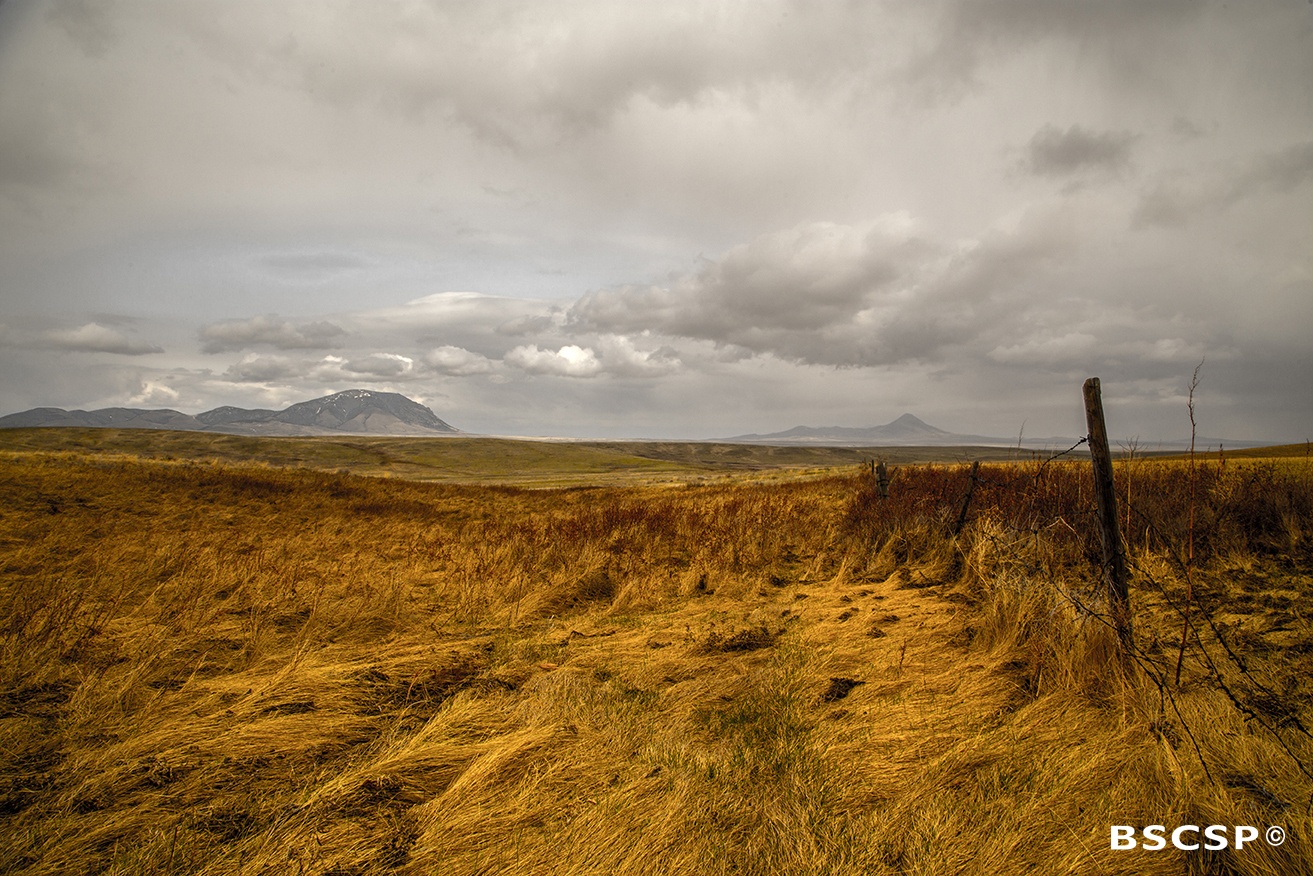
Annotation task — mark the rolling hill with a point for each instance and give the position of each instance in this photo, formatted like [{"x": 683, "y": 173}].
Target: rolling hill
[{"x": 355, "y": 411}]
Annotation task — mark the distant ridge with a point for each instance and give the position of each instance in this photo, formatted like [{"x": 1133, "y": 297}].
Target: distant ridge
[
  {"x": 910, "y": 431},
  {"x": 906, "y": 431},
  {"x": 353, "y": 412}
]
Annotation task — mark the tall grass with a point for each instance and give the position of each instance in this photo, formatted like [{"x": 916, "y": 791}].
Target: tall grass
[{"x": 244, "y": 669}]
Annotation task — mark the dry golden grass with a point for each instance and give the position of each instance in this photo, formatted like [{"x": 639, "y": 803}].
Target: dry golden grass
[{"x": 227, "y": 668}]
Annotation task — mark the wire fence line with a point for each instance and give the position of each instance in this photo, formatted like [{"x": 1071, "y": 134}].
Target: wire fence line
[{"x": 1050, "y": 499}]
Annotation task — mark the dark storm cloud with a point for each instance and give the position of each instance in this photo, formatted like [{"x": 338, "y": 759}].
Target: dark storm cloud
[
  {"x": 1058, "y": 153},
  {"x": 271, "y": 331}
]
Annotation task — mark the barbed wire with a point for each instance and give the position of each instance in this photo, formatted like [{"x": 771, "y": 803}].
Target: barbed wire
[
  {"x": 1251, "y": 700},
  {"x": 1142, "y": 658}
]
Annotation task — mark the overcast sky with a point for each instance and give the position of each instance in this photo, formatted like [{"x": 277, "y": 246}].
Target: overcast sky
[{"x": 675, "y": 219}]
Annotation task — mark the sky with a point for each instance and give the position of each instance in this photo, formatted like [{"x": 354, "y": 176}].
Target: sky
[{"x": 676, "y": 219}]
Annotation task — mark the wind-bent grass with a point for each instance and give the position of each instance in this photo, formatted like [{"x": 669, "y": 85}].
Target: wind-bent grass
[{"x": 226, "y": 668}]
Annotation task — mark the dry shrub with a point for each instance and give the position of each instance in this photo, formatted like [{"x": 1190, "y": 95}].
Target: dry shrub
[{"x": 718, "y": 642}]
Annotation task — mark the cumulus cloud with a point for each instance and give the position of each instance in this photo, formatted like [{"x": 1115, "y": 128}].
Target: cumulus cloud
[
  {"x": 256, "y": 368},
  {"x": 611, "y": 355},
  {"x": 1029, "y": 292},
  {"x": 363, "y": 367},
  {"x": 780, "y": 292},
  {"x": 457, "y": 361},
  {"x": 569, "y": 361},
  {"x": 96, "y": 338},
  {"x": 621, "y": 357},
  {"x": 874, "y": 294},
  {"x": 268, "y": 330},
  {"x": 154, "y": 394},
  {"x": 1054, "y": 152},
  {"x": 377, "y": 365}
]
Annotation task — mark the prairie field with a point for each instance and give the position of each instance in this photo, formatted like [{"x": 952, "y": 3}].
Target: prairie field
[{"x": 222, "y": 655}]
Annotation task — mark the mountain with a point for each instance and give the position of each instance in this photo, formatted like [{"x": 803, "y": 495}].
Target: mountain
[
  {"x": 907, "y": 430},
  {"x": 356, "y": 412}
]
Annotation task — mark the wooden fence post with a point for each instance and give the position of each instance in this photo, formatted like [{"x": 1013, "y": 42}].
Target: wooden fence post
[
  {"x": 966, "y": 500},
  {"x": 1114, "y": 552},
  {"x": 882, "y": 480}
]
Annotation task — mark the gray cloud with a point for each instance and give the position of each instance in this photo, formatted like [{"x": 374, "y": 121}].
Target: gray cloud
[
  {"x": 392, "y": 366},
  {"x": 542, "y": 73},
  {"x": 474, "y": 322},
  {"x": 968, "y": 36},
  {"x": 1180, "y": 197},
  {"x": 1058, "y": 153},
  {"x": 432, "y": 190},
  {"x": 96, "y": 338},
  {"x": 24, "y": 163},
  {"x": 88, "y": 23},
  {"x": 1028, "y": 295},
  {"x": 265, "y": 368},
  {"x": 363, "y": 367},
  {"x": 269, "y": 330},
  {"x": 788, "y": 292},
  {"x": 530, "y": 325},
  {"x": 311, "y": 266},
  {"x": 877, "y": 294}
]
